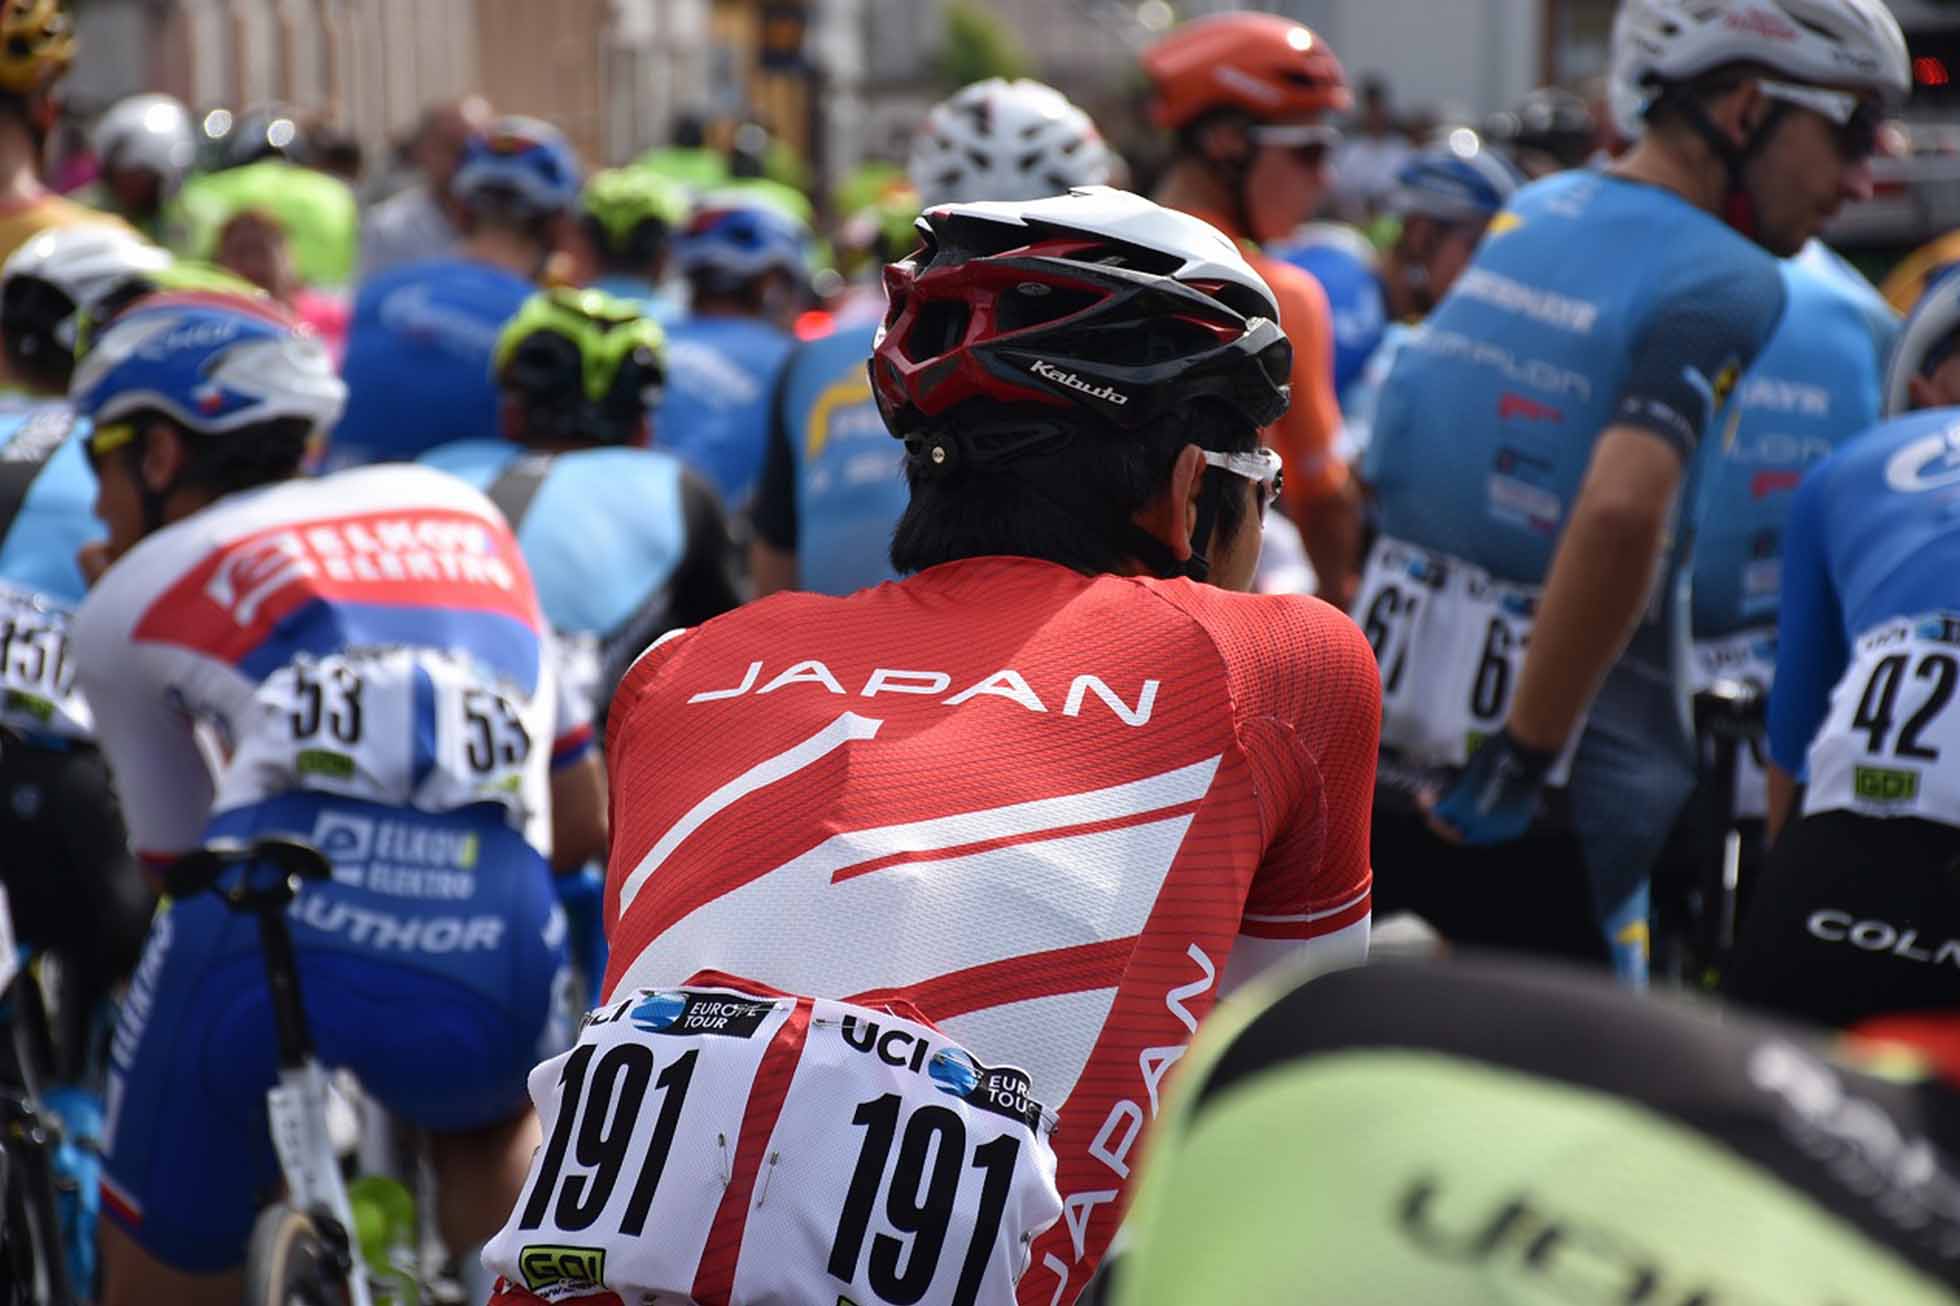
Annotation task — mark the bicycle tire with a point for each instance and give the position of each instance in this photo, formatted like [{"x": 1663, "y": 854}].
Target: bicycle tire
[{"x": 290, "y": 1263}]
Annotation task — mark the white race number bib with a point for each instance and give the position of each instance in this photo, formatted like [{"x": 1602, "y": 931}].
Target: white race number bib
[
  {"x": 37, "y": 679},
  {"x": 401, "y": 727},
  {"x": 1451, "y": 641},
  {"x": 1891, "y": 742},
  {"x": 713, "y": 1140}
]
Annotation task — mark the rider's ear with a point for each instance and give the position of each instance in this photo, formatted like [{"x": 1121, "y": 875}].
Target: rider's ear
[
  {"x": 1740, "y": 111},
  {"x": 1225, "y": 139},
  {"x": 164, "y": 456}
]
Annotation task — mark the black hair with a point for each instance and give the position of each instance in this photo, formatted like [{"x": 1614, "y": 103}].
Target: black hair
[
  {"x": 28, "y": 309},
  {"x": 261, "y": 454},
  {"x": 1071, "y": 499},
  {"x": 634, "y": 256},
  {"x": 503, "y": 208},
  {"x": 1678, "y": 103}
]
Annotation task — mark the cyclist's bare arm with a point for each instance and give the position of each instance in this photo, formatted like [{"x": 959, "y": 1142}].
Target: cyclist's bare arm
[
  {"x": 1782, "y": 801},
  {"x": 1600, "y": 580},
  {"x": 579, "y": 826}
]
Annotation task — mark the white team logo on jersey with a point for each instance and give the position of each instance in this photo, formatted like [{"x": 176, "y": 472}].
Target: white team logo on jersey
[{"x": 1929, "y": 463}]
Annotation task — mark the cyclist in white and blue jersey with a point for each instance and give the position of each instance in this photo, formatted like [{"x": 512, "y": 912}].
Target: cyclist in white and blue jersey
[
  {"x": 1529, "y": 461},
  {"x": 833, "y": 484},
  {"x": 1859, "y": 911},
  {"x": 369, "y": 648}
]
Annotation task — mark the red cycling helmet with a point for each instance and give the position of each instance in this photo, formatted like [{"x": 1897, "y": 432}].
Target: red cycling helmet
[
  {"x": 1267, "y": 67},
  {"x": 1096, "y": 302}
]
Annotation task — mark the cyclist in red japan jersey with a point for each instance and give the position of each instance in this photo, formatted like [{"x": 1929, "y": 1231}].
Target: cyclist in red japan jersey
[{"x": 1050, "y": 792}]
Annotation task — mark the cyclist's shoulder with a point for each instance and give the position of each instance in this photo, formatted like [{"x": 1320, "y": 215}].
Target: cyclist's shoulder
[{"x": 1273, "y": 646}]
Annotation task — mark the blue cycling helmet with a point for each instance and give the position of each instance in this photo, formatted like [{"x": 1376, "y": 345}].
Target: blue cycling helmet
[
  {"x": 1343, "y": 262},
  {"x": 522, "y": 159},
  {"x": 1461, "y": 180},
  {"x": 738, "y": 238},
  {"x": 212, "y": 363}
]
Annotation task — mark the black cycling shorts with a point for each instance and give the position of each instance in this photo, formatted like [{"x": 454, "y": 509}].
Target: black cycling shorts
[{"x": 1856, "y": 916}]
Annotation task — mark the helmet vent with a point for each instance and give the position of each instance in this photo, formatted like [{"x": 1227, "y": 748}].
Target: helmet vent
[
  {"x": 1017, "y": 312},
  {"x": 938, "y": 329}
]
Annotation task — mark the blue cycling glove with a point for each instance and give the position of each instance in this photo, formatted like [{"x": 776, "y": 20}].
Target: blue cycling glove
[
  {"x": 1495, "y": 800},
  {"x": 582, "y": 893},
  {"x": 78, "y": 1167}
]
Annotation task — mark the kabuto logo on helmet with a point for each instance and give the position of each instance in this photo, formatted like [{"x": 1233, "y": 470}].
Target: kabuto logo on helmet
[{"x": 1048, "y": 371}]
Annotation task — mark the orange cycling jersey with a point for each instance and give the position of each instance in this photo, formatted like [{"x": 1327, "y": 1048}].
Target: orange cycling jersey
[
  {"x": 1307, "y": 435},
  {"x": 1041, "y": 807}
]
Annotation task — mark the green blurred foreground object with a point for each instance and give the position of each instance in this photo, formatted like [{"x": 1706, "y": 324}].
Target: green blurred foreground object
[
  {"x": 317, "y": 212},
  {"x": 1484, "y": 1134}
]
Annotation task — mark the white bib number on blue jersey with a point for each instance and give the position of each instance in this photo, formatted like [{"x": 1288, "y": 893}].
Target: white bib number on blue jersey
[
  {"x": 37, "y": 679},
  {"x": 402, "y": 727},
  {"x": 1890, "y": 744},
  {"x": 866, "y": 1157},
  {"x": 1450, "y": 640}
]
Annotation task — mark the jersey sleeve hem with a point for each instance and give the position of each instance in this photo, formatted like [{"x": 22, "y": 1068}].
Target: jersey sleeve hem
[{"x": 1313, "y": 923}]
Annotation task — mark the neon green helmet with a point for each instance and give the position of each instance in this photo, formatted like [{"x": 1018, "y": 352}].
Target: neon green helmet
[
  {"x": 631, "y": 211},
  {"x": 584, "y": 366}
]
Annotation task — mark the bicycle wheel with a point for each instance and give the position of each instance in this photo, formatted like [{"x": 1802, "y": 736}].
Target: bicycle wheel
[{"x": 291, "y": 1261}]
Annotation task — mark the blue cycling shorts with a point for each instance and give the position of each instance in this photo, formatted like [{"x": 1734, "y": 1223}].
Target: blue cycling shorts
[{"x": 433, "y": 966}]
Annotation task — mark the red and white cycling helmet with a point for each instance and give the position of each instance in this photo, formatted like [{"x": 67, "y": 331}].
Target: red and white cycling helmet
[{"x": 1097, "y": 301}]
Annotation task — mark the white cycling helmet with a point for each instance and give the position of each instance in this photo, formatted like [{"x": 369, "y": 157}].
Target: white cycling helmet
[
  {"x": 59, "y": 275},
  {"x": 1658, "y": 43},
  {"x": 1005, "y": 140},
  {"x": 1931, "y": 332},
  {"x": 152, "y": 132}
]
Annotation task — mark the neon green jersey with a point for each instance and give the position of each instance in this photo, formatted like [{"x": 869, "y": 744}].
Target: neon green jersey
[{"x": 1489, "y": 1135}]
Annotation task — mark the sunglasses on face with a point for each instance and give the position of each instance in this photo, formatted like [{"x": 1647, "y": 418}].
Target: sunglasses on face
[
  {"x": 1310, "y": 142},
  {"x": 1262, "y": 467},
  {"x": 1856, "y": 121}
]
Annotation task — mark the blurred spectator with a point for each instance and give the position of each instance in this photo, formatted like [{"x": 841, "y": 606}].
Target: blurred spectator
[
  {"x": 75, "y": 163},
  {"x": 337, "y": 153},
  {"x": 1374, "y": 151},
  {"x": 253, "y": 245},
  {"x": 424, "y": 221},
  {"x": 1548, "y": 131}
]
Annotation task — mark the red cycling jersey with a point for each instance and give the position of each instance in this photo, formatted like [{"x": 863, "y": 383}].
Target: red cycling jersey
[{"x": 1041, "y": 807}]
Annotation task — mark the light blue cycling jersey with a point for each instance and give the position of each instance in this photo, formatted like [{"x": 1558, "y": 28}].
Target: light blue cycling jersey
[
  {"x": 721, "y": 380},
  {"x": 1362, "y": 399},
  {"x": 1874, "y": 534},
  {"x": 658, "y": 302},
  {"x": 1818, "y": 382},
  {"x": 418, "y": 359},
  {"x": 834, "y": 485},
  {"x": 56, "y": 516},
  {"x": 1593, "y": 302}
]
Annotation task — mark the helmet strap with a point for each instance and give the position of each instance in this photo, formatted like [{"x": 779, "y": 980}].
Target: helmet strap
[
  {"x": 151, "y": 501},
  {"x": 1158, "y": 557},
  {"x": 1739, "y": 208}
]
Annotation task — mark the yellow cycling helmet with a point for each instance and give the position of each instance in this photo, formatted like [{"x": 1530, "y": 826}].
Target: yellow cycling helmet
[{"x": 37, "y": 43}]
